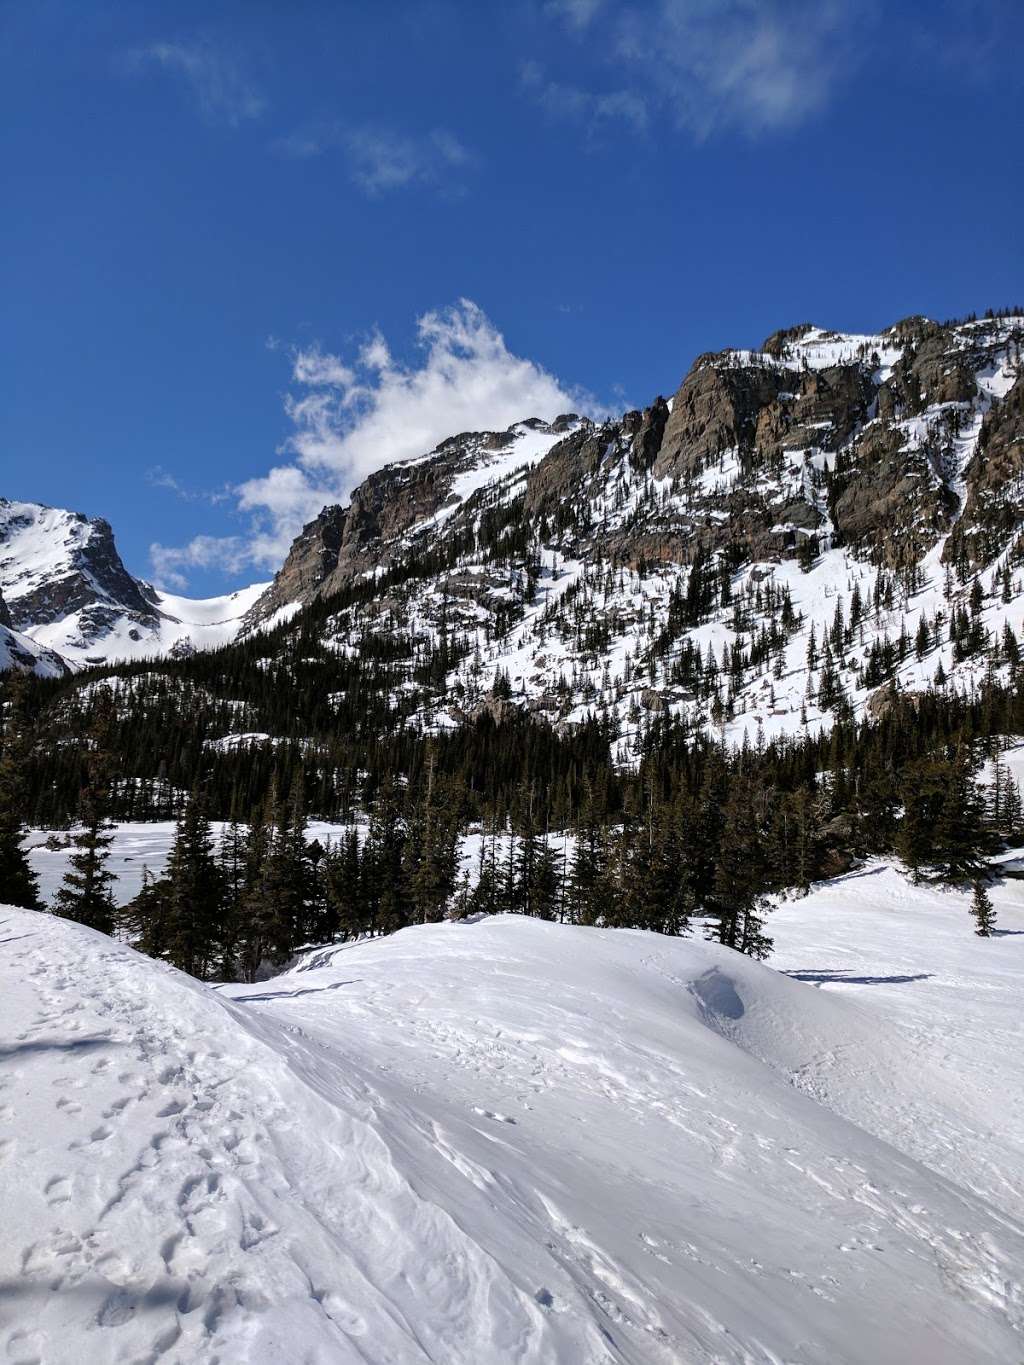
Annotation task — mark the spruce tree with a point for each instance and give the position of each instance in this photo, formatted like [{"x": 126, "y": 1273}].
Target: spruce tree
[
  {"x": 18, "y": 883},
  {"x": 85, "y": 893},
  {"x": 147, "y": 918},
  {"x": 737, "y": 901},
  {"x": 195, "y": 893},
  {"x": 983, "y": 913},
  {"x": 342, "y": 888},
  {"x": 959, "y": 835}
]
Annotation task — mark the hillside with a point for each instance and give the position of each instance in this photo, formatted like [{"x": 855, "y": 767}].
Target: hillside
[{"x": 446, "y": 1145}]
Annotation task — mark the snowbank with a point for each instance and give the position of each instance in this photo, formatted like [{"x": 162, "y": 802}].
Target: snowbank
[{"x": 473, "y": 1144}]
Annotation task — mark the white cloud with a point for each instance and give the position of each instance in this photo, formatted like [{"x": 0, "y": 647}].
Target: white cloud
[
  {"x": 582, "y": 106},
  {"x": 171, "y": 562},
  {"x": 213, "y": 79},
  {"x": 577, "y": 14},
  {"x": 351, "y": 417},
  {"x": 381, "y": 159},
  {"x": 752, "y": 66}
]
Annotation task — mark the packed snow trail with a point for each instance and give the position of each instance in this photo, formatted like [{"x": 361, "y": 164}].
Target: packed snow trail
[{"x": 479, "y": 1143}]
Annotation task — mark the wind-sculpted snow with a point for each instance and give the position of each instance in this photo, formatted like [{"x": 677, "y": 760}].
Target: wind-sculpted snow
[{"x": 472, "y": 1144}]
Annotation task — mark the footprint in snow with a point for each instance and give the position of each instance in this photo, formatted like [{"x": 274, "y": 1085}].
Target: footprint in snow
[{"x": 490, "y": 1114}]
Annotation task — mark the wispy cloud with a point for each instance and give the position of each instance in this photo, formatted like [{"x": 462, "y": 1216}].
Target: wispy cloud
[
  {"x": 351, "y": 416},
  {"x": 171, "y": 563},
  {"x": 578, "y": 14},
  {"x": 212, "y": 79},
  {"x": 381, "y": 159},
  {"x": 160, "y": 478},
  {"x": 710, "y": 66},
  {"x": 583, "y": 106}
]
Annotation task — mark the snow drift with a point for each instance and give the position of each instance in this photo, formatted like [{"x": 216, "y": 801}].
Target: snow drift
[{"x": 485, "y": 1142}]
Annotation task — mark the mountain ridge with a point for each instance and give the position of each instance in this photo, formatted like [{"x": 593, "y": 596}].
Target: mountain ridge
[{"x": 795, "y": 530}]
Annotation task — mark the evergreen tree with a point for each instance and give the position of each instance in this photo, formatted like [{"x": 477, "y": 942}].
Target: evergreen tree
[
  {"x": 18, "y": 884},
  {"x": 85, "y": 893},
  {"x": 542, "y": 892},
  {"x": 983, "y": 913},
  {"x": 737, "y": 902},
  {"x": 432, "y": 849},
  {"x": 960, "y": 836},
  {"x": 147, "y": 918},
  {"x": 195, "y": 893},
  {"x": 342, "y": 886},
  {"x": 231, "y": 861}
]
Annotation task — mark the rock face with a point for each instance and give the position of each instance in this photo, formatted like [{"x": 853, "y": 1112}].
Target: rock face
[
  {"x": 342, "y": 542},
  {"x": 994, "y": 509},
  {"x": 54, "y": 563},
  {"x": 716, "y": 410},
  {"x": 819, "y": 439}
]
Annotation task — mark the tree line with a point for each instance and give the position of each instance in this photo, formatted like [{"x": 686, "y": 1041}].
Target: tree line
[{"x": 697, "y": 832}]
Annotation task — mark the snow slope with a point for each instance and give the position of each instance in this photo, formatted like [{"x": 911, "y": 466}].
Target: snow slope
[
  {"x": 19, "y": 651},
  {"x": 181, "y": 623},
  {"x": 501, "y": 1141}
]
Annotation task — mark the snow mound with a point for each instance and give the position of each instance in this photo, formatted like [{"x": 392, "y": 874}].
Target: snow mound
[{"x": 490, "y": 1142}]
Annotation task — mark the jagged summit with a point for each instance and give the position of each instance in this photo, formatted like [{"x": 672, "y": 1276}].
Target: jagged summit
[{"x": 72, "y": 602}]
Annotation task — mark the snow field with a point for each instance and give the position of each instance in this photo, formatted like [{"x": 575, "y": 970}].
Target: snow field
[{"x": 504, "y": 1141}]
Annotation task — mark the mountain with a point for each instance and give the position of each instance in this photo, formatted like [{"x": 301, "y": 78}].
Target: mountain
[
  {"x": 67, "y": 590},
  {"x": 410, "y": 498},
  {"x": 849, "y": 488},
  {"x": 508, "y": 1140},
  {"x": 821, "y": 532}
]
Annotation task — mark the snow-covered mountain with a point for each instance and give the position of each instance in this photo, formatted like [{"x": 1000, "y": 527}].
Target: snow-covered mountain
[
  {"x": 800, "y": 529},
  {"x": 67, "y": 590},
  {"x": 796, "y": 528},
  {"x": 509, "y": 1140}
]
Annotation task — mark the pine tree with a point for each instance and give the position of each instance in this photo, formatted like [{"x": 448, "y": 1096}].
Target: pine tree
[
  {"x": 737, "y": 902},
  {"x": 231, "y": 862},
  {"x": 18, "y": 884},
  {"x": 486, "y": 893},
  {"x": 255, "y": 913},
  {"x": 341, "y": 883},
  {"x": 960, "y": 836},
  {"x": 147, "y": 918},
  {"x": 542, "y": 893},
  {"x": 431, "y": 851},
  {"x": 983, "y": 913},
  {"x": 85, "y": 893},
  {"x": 195, "y": 893}
]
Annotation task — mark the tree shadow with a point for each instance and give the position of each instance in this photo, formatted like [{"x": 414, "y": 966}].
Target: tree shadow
[
  {"x": 54, "y": 1045},
  {"x": 293, "y": 995},
  {"x": 116, "y": 1304},
  {"x": 856, "y": 874},
  {"x": 841, "y": 977}
]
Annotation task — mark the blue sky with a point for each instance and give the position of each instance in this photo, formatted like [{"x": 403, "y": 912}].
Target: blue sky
[{"x": 252, "y": 250}]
